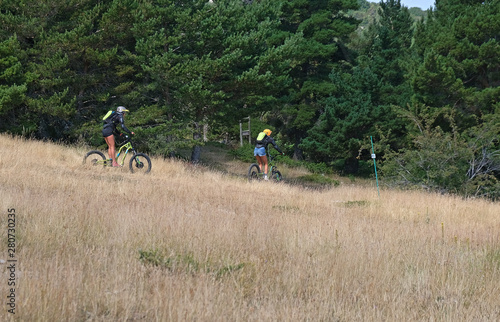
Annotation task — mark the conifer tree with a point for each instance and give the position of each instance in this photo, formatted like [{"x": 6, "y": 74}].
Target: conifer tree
[
  {"x": 208, "y": 63},
  {"x": 325, "y": 27},
  {"x": 364, "y": 96},
  {"x": 12, "y": 85},
  {"x": 461, "y": 60},
  {"x": 456, "y": 101}
]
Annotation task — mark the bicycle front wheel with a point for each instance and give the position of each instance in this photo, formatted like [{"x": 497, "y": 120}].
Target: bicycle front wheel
[
  {"x": 140, "y": 163},
  {"x": 254, "y": 172},
  {"x": 276, "y": 176},
  {"x": 94, "y": 158}
]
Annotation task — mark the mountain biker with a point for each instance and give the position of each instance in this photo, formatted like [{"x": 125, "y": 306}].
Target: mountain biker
[
  {"x": 263, "y": 140},
  {"x": 109, "y": 130}
]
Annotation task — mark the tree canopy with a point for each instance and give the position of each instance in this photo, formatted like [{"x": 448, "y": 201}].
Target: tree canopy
[{"x": 325, "y": 75}]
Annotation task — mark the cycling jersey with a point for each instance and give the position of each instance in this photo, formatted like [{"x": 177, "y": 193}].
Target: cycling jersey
[
  {"x": 266, "y": 141},
  {"x": 110, "y": 125}
]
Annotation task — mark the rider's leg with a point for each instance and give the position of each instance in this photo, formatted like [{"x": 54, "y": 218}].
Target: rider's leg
[
  {"x": 110, "y": 140},
  {"x": 259, "y": 161},
  {"x": 264, "y": 161},
  {"x": 260, "y": 155}
]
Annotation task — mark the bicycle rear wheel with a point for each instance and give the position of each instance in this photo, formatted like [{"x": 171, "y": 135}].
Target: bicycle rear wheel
[
  {"x": 94, "y": 158},
  {"x": 140, "y": 163},
  {"x": 254, "y": 172}
]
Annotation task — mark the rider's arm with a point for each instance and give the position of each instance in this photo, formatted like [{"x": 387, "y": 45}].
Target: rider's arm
[
  {"x": 271, "y": 140},
  {"x": 122, "y": 123}
]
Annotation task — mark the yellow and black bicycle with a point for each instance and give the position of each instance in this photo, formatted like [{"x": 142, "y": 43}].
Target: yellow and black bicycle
[{"x": 139, "y": 163}]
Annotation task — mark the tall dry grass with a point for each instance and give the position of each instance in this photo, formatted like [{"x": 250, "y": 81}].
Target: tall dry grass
[{"x": 184, "y": 244}]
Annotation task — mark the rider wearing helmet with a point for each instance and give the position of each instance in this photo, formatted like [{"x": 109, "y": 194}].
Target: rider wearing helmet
[
  {"x": 109, "y": 130},
  {"x": 263, "y": 140}
]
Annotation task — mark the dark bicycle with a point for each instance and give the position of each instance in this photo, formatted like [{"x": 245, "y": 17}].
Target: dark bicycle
[{"x": 254, "y": 172}]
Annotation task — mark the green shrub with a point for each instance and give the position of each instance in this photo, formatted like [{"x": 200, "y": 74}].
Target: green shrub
[
  {"x": 244, "y": 153},
  {"x": 448, "y": 162},
  {"x": 318, "y": 168}
]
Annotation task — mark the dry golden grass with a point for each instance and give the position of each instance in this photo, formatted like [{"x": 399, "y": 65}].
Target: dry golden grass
[{"x": 217, "y": 248}]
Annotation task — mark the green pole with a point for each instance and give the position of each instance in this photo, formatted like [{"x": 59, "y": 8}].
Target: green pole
[{"x": 375, "y": 166}]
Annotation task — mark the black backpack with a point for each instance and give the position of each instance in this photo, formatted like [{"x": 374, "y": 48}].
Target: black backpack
[{"x": 108, "y": 118}]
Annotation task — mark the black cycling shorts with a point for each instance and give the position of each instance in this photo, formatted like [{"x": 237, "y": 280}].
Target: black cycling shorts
[{"x": 107, "y": 131}]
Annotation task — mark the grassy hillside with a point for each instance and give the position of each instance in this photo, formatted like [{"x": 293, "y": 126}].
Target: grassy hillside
[{"x": 187, "y": 244}]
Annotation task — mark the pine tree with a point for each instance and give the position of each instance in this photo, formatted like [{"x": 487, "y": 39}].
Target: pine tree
[
  {"x": 365, "y": 95},
  {"x": 454, "y": 112},
  {"x": 349, "y": 117},
  {"x": 210, "y": 63},
  {"x": 12, "y": 85},
  {"x": 325, "y": 27},
  {"x": 461, "y": 61}
]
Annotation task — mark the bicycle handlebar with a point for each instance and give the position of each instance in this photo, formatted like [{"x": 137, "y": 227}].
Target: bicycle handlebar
[
  {"x": 127, "y": 140},
  {"x": 273, "y": 156}
]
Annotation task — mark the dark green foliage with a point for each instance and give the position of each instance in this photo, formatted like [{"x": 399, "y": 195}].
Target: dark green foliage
[
  {"x": 66, "y": 60},
  {"x": 342, "y": 126},
  {"x": 190, "y": 70},
  {"x": 210, "y": 64},
  {"x": 455, "y": 102},
  {"x": 12, "y": 81},
  {"x": 348, "y": 120},
  {"x": 442, "y": 161},
  {"x": 318, "y": 168},
  {"x": 324, "y": 27},
  {"x": 461, "y": 66},
  {"x": 437, "y": 161},
  {"x": 244, "y": 153},
  {"x": 318, "y": 179},
  {"x": 361, "y": 102}
]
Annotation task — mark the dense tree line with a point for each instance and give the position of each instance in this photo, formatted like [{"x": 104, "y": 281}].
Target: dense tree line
[{"x": 427, "y": 90}]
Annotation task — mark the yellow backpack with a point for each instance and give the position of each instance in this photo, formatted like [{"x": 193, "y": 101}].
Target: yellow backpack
[{"x": 261, "y": 137}]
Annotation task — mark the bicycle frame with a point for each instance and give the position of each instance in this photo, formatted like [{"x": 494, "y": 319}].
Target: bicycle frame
[
  {"x": 127, "y": 145},
  {"x": 138, "y": 162},
  {"x": 270, "y": 164},
  {"x": 272, "y": 168}
]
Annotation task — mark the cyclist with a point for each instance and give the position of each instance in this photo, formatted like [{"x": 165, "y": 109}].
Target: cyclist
[
  {"x": 263, "y": 140},
  {"x": 109, "y": 130}
]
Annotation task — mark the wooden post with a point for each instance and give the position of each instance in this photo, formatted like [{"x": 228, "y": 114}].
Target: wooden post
[
  {"x": 246, "y": 132},
  {"x": 249, "y": 132},
  {"x": 241, "y": 135}
]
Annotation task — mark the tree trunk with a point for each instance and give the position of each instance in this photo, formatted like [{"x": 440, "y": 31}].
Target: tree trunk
[
  {"x": 205, "y": 132},
  {"x": 297, "y": 153},
  {"x": 351, "y": 165},
  {"x": 196, "y": 153}
]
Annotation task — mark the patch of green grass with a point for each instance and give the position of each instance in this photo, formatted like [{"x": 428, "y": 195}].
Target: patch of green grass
[
  {"x": 356, "y": 203},
  {"x": 493, "y": 257},
  {"x": 286, "y": 207},
  {"x": 186, "y": 263},
  {"x": 227, "y": 269}
]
